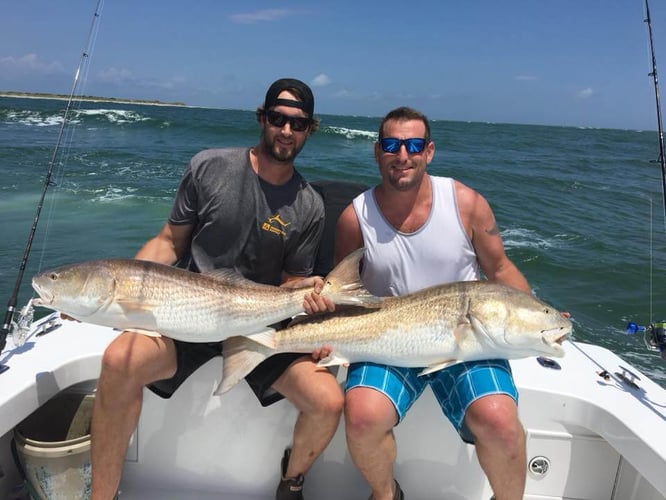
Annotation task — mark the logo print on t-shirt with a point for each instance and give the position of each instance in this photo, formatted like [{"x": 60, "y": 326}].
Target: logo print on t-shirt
[{"x": 275, "y": 225}]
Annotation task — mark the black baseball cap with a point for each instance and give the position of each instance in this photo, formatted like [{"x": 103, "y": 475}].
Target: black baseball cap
[{"x": 306, "y": 104}]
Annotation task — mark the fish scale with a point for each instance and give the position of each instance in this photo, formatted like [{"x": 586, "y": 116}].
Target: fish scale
[
  {"x": 429, "y": 329},
  {"x": 210, "y": 306},
  {"x": 157, "y": 299},
  {"x": 428, "y": 317}
]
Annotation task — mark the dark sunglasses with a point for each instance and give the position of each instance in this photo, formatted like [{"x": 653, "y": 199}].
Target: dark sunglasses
[
  {"x": 392, "y": 145},
  {"x": 297, "y": 123}
]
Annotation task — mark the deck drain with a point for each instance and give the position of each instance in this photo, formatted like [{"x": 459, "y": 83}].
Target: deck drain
[{"x": 539, "y": 466}]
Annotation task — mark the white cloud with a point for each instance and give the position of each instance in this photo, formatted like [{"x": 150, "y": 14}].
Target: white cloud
[
  {"x": 586, "y": 93},
  {"x": 321, "y": 80},
  {"x": 30, "y": 63},
  {"x": 259, "y": 16}
]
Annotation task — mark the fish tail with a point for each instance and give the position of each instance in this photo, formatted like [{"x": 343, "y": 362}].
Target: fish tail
[
  {"x": 241, "y": 355},
  {"x": 343, "y": 284}
]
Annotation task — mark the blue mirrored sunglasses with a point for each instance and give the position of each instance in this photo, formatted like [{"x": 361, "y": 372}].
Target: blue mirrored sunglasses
[{"x": 392, "y": 145}]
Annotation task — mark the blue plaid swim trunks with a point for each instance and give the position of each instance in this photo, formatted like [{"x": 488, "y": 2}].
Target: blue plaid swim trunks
[{"x": 455, "y": 387}]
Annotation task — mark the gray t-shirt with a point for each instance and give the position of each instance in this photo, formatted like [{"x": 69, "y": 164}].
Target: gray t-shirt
[{"x": 243, "y": 222}]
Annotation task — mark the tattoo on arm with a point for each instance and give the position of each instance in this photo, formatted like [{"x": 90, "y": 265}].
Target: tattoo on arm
[{"x": 493, "y": 231}]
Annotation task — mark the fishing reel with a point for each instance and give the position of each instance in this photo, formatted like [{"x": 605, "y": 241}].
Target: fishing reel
[
  {"x": 21, "y": 326},
  {"x": 654, "y": 335}
]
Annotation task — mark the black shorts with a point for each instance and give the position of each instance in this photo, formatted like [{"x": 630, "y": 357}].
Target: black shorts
[{"x": 190, "y": 356}]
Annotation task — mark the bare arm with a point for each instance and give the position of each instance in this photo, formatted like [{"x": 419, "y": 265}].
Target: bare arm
[
  {"x": 481, "y": 227},
  {"x": 348, "y": 235},
  {"x": 170, "y": 244}
]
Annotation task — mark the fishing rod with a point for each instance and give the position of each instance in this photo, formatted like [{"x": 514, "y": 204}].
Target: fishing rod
[
  {"x": 23, "y": 324},
  {"x": 655, "y": 81},
  {"x": 654, "y": 334}
]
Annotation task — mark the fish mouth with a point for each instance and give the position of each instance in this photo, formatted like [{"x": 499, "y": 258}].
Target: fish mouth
[
  {"x": 561, "y": 338},
  {"x": 554, "y": 339},
  {"x": 45, "y": 297},
  {"x": 555, "y": 335}
]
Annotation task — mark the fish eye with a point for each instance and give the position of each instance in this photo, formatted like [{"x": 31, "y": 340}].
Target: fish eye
[{"x": 54, "y": 276}]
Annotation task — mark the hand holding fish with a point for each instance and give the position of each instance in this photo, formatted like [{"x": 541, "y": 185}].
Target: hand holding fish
[
  {"x": 322, "y": 352},
  {"x": 313, "y": 301}
]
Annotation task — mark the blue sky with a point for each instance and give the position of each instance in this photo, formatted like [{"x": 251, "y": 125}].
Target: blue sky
[{"x": 565, "y": 62}]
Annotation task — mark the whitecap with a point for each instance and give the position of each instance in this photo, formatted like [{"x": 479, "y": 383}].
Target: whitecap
[
  {"x": 35, "y": 119},
  {"x": 114, "y": 115},
  {"x": 351, "y": 133},
  {"x": 525, "y": 238}
]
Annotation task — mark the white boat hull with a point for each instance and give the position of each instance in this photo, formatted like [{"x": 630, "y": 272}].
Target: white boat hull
[{"x": 601, "y": 439}]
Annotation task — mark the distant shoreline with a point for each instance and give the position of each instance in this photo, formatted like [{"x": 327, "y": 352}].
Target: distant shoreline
[{"x": 63, "y": 97}]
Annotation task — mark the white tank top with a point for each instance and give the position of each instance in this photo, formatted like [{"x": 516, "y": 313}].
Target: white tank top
[{"x": 398, "y": 263}]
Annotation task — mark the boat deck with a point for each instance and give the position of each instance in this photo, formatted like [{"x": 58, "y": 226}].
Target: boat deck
[{"x": 600, "y": 438}]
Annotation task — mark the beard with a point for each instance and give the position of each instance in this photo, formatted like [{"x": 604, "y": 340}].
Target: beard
[{"x": 279, "y": 152}]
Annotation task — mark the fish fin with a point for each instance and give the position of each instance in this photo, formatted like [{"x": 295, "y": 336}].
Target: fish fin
[
  {"x": 132, "y": 305},
  {"x": 343, "y": 284},
  {"x": 435, "y": 367},
  {"x": 141, "y": 312},
  {"x": 241, "y": 355},
  {"x": 231, "y": 276},
  {"x": 147, "y": 333},
  {"x": 461, "y": 332},
  {"x": 333, "y": 360},
  {"x": 299, "y": 318},
  {"x": 265, "y": 338}
]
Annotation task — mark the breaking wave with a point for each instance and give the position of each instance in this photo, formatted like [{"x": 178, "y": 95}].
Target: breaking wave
[
  {"x": 351, "y": 133},
  {"x": 78, "y": 116},
  {"x": 113, "y": 115},
  {"x": 526, "y": 238},
  {"x": 32, "y": 118}
]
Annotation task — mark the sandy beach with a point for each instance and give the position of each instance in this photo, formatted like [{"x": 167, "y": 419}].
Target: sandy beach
[{"x": 60, "y": 97}]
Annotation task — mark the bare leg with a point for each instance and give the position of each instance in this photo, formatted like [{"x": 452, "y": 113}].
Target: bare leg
[
  {"x": 129, "y": 363},
  {"x": 317, "y": 396},
  {"x": 500, "y": 444},
  {"x": 369, "y": 419}
]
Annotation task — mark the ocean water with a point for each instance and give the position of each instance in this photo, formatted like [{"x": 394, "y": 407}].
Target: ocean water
[{"x": 580, "y": 210}]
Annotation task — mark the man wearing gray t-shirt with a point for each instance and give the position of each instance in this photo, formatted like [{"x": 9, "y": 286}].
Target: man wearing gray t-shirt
[{"x": 251, "y": 210}]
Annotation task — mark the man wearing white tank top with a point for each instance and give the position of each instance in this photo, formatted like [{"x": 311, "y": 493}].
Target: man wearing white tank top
[{"x": 419, "y": 231}]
